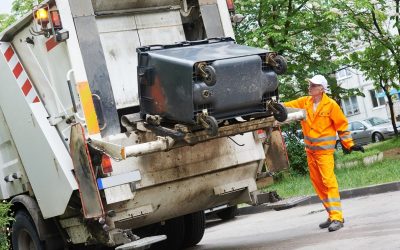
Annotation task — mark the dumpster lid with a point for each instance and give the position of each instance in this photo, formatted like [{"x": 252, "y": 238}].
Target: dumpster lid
[{"x": 205, "y": 50}]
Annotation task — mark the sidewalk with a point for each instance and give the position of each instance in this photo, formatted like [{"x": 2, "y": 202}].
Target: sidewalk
[{"x": 345, "y": 194}]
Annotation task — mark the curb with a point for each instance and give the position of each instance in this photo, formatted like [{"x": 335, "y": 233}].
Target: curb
[
  {"x": 345, "y": 194},
  {"x": 368, "y": 160}
]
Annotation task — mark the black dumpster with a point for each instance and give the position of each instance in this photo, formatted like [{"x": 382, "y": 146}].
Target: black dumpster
[{"x": 191, "y": 81}]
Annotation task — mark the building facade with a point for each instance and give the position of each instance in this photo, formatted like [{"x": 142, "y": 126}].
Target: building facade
[{"x": 374, "y": 104}]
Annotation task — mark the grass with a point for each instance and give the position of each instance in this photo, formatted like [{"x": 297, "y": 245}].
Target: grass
[
  {"x": 357, "y": 176},
  {"x": 370, "y": 149},
  {"x": 360, "y": 175}
]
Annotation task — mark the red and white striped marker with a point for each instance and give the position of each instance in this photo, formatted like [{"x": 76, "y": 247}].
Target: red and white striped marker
[{"x": 19, "y": 73}]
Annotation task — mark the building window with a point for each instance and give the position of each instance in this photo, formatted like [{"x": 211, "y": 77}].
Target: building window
[
  {"x": 377, "y": 97},
  {"x": 343, "y": 73},
  {"x": 350, "y": 106}
]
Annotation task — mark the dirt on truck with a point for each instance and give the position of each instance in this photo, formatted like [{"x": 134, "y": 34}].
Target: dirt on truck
[{"x": 121, "y": 122}]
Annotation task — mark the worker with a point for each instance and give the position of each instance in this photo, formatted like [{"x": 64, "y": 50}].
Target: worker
[{"x": 324, "y": 120}]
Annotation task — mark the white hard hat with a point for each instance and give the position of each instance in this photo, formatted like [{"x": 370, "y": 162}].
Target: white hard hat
[{"x": 319, "y": 80}]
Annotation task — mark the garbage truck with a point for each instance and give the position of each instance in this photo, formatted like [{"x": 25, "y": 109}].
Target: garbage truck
[{"x": 121, "y": 122}]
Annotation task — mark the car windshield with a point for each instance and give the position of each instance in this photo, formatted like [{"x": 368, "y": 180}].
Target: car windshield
[{"x": 375, "y": 121}]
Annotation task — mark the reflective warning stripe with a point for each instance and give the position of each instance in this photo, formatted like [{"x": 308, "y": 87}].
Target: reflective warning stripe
[
  {"x": 320, "y": 147},
  {"x": 329, "y": 209},
  {"x": 320, "y": 139},
  {"x": 19, "y": 73},
  {"x": 88, "y": 108},
  {"x": 51, "y": 43},
  {"x": 331, "y": 200}
]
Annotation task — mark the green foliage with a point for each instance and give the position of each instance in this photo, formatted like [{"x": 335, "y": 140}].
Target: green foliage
[
  {"x": 305, "y": 32},
  {"x": 374, "y": 25},
  {"x": 5, "y": 21},
  {"x": 4, "y": 223},
  {"x": 19, "y": 8},
  {"x": 295, "y": 150}
]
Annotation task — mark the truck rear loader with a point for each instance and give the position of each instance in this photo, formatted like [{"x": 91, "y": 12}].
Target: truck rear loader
[{"x": 122, "y": 121}]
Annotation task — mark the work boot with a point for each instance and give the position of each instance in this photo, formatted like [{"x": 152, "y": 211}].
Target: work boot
[
  {"x": 325, "y": 224},
  {"x": 335, "y": 225}
]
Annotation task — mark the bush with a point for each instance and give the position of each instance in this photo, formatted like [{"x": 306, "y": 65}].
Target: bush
[
  {"x": 296, "y": 154},
  {"x": 4, "y": 224}
]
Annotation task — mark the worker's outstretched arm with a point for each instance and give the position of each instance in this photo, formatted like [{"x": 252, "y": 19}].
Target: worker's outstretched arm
[
  {"x": 298, "y": 103},
  {"x": 341, "y": 126}
]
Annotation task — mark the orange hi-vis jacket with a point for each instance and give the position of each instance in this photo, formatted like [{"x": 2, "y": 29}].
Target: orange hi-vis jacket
[{"x": 320, "y": 127}]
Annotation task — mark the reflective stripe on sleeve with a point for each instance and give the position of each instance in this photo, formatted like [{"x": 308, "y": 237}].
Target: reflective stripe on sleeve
[{"x": 344, "y": 137}]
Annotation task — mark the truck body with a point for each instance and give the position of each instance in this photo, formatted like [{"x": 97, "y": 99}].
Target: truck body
[{"x": 75, "y": 155}]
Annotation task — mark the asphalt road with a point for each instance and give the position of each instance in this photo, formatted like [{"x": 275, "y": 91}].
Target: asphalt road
[{"x": 371, "y": 222}]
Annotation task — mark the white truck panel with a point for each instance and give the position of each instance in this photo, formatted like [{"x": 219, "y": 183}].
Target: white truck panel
[
  {"x": 74, "y": 51},
  {"x": 186, "y": 162},
  {"x": 49, "y": 75},
  {"x": 121, "y": 35},
  {"x": 225, "y": 18},
  {"x": 122, "y": 75},
  {"x": 10, "y": 163},
  {"x": 45, "y": 158}
]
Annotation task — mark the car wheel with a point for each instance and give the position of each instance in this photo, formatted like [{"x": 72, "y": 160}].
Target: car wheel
[{"x": 377, "y": 137}]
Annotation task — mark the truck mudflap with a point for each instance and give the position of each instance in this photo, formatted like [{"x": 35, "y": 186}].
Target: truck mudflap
[
  {"x": 89, "y": 193},
  {"x": 143, "y": 243}
]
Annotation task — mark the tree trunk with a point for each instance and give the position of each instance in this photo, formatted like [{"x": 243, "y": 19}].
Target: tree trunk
[
  {"x": 390, "y": 102},
  {"x": 393, "y": 119}
]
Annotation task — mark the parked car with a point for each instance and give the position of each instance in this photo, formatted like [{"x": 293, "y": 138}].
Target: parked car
[{"x": 373, "y": 129}]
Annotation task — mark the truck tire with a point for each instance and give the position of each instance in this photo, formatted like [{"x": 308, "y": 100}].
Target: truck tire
[
  {"x": 24, "y": 234},
  {"x": 195, "y": 225},
  {"x": 174, "y": 229},
  {"x": 228, "y": 213}
]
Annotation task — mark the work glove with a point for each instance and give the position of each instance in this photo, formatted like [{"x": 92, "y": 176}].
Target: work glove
[
  {"x": 357, "y": 147},
  {"x": 345, "y": 150}
]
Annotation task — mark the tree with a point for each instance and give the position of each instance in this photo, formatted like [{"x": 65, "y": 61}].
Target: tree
[
  {"x": 19, "y": 8},
  {"x": 375, "y": 25},
  {"x": 304, "y": 31},
  {"x": 6, "y": 20}
]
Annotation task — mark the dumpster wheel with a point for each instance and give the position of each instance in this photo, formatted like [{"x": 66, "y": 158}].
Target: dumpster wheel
[
  {"x": 208, "y": 73},
  {"x": 212, "y": 125},
  {"x": 277, "y": 62},
  {"x": 279, "y": 111}
]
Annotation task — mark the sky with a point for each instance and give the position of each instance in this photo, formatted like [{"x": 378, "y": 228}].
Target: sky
[{"x": 5, "y": 6}]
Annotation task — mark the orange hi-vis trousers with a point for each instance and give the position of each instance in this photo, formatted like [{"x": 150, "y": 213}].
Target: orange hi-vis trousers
[{"x": 322, "y": 175}]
